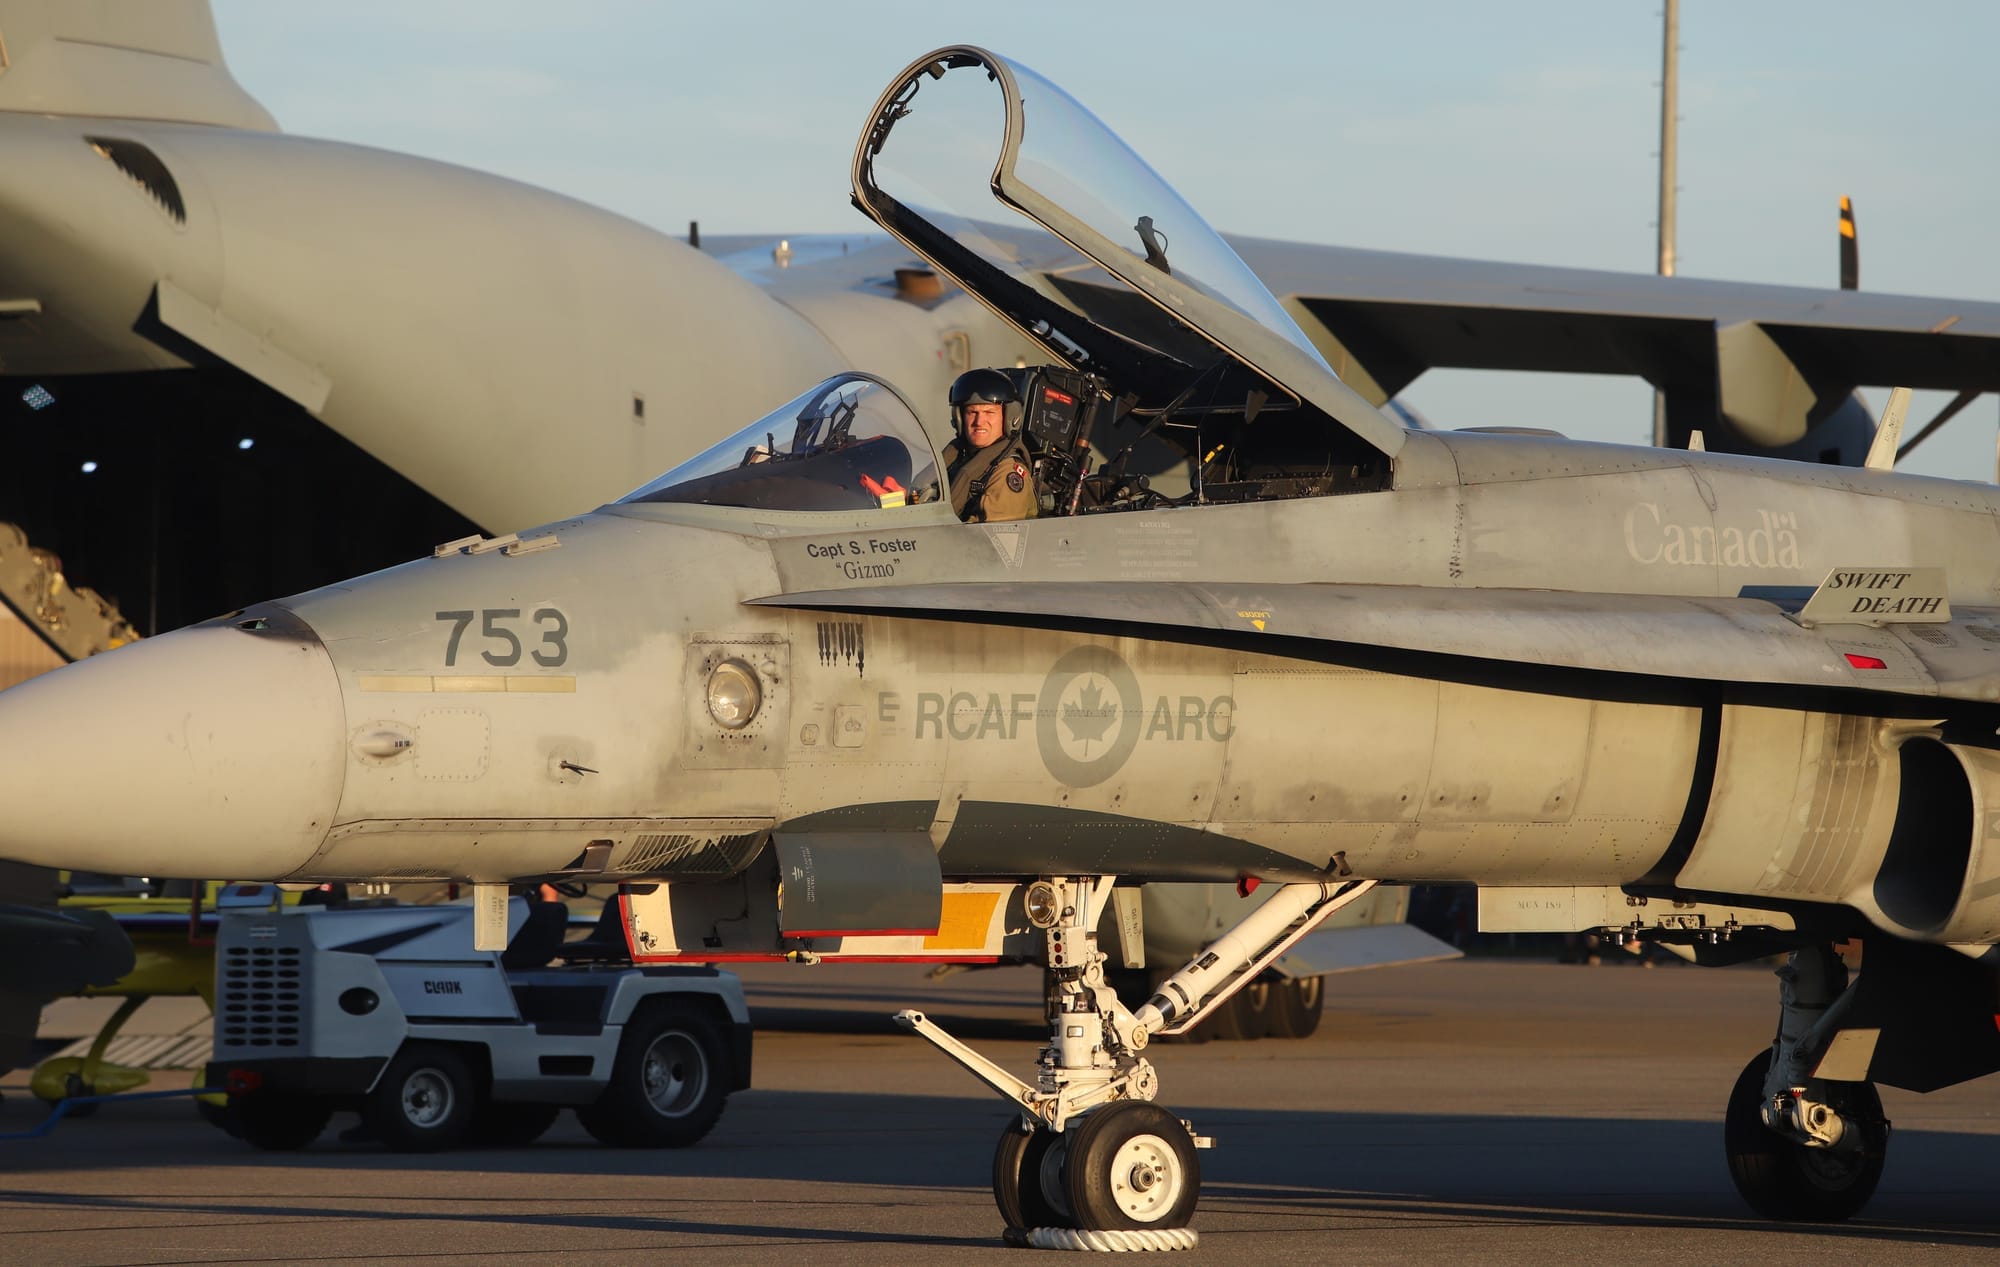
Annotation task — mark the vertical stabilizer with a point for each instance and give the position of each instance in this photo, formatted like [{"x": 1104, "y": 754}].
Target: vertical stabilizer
[{"x": 123, "y": 59}]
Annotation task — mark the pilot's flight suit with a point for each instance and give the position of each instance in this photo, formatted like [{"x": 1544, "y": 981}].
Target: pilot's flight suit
[{"x": 1009, "y": 478}]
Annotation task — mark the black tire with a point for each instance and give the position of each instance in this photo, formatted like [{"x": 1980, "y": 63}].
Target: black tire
[
  {"x": 425, "y": 1101},
  {"x": 509, "y": 1124},
  {"x": 1246, "y": 1017},
  {"x": 276, "y": 1122},
  {"x": 1296, "y": 1005},
  {"x": 1783, "y": 1179},
  {"x": 669, "y": 1084},
  {"x": 1027, "y": 1181},
  {"x": 1132, "y": 1165}
]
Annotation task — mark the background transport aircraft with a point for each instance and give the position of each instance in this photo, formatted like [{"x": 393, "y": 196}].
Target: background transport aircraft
[
  {"x": 235, "y": 362},
  {"x": 414, "y": 350},
  {"x": 1746, "y": 707}
]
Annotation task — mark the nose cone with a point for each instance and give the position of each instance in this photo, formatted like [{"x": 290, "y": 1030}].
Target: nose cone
[{"x": 211, "y": 752}]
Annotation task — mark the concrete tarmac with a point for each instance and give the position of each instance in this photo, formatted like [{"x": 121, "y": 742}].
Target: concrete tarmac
[{"x": 1480, "y": 1111}]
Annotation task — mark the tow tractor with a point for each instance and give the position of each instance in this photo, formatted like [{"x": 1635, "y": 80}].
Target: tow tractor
[{"x": 386, "y": 1009}]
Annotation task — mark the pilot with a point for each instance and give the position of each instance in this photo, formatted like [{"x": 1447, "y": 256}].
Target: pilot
[{"x": 992, "y": 477}]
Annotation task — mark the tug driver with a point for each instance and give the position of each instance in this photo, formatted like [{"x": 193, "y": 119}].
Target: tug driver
[{"x": 992, "y": 477}]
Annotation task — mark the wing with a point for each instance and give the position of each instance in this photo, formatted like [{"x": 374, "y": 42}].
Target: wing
[
  {"x": 1752, "y": 641},
  {"x": 1718, "y": 349}
]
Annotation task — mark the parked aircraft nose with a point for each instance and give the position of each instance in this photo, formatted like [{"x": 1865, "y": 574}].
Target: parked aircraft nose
[{"x": 211, "y": 752}]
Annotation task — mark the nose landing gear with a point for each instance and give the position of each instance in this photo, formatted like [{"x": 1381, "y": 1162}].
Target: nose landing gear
[{"x": 1092, "y": 1163}]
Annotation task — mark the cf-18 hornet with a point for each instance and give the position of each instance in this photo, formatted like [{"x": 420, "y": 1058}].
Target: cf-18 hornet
[{"x": 800, "y": 710}]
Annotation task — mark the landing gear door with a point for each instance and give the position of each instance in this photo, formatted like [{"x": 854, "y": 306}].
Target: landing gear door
[{"x": 835, "y": 884}]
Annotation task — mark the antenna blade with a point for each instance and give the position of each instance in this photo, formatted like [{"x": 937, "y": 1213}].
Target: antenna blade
[{"x": 1889, "y": 432}]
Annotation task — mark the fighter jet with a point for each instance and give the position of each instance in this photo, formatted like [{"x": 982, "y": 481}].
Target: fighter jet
[{"x": 803, "y": 710}]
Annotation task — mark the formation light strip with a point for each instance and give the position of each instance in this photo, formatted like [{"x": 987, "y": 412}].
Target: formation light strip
[{"x": 467, "y": 683}]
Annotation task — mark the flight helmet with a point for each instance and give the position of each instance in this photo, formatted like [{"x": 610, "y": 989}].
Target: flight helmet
[{"x": 982, "y": 387}]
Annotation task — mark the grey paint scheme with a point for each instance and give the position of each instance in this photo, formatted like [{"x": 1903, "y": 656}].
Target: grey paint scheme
[
  {"x": 1514, "y": 780},
  {"x": 481, "y": 377},
  {"x": 1548, "y": 551},
  {"x": 1659, "y": 557}
]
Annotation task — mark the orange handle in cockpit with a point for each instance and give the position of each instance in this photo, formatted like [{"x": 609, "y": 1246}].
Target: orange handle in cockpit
[{"x": 887, "y": 492}]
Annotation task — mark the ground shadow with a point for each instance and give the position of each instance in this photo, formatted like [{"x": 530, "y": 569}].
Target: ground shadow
[{"x": 1283, "y": 1168}]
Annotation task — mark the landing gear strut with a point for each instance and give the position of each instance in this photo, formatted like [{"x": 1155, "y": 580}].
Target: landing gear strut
[
  {"x": 1804, "y": 1131},
  {"x": 1091, "y": 1161}
]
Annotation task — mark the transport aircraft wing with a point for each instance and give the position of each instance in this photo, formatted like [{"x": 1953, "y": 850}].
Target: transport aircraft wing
[{"x": 1767, "y": 362}]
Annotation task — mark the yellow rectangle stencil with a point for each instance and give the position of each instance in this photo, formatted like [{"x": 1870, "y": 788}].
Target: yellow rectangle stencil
[
  {"x": 963, "y": 922},
  {"x": 470, "y": 683}
]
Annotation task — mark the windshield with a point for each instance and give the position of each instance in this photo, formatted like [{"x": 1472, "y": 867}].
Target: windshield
[{"x": 851, "y": 443}]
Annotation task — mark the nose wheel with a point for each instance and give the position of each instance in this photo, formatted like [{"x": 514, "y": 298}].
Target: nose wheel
[
  {"x": 1132, "y": 1165},
  {"x": 1129, "y": 1165}
]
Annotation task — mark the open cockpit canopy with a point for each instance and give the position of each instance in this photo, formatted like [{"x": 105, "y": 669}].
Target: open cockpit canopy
[
  {"x": 1005, "y": 183},
  {"x": 850, "y": 443}
]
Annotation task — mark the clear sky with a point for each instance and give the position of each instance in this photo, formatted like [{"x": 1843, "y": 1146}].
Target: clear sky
[{"x": 1521, "y": 131}]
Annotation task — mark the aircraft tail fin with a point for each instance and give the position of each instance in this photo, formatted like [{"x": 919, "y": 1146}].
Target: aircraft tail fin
[{"x": 125, "y": 59}]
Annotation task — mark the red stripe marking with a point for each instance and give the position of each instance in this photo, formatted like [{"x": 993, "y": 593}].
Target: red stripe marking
[
  {"x": 858, "y": 932},
  {"x": 701, "y": 956}
]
